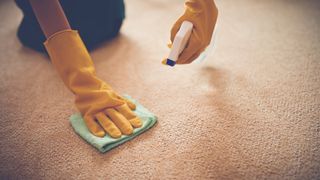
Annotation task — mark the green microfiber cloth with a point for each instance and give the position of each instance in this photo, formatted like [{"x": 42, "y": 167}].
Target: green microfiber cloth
[{"x": 106, "y": 143}]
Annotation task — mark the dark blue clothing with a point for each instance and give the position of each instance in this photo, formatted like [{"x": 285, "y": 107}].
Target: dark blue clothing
[{"x": 96, "y": 20}]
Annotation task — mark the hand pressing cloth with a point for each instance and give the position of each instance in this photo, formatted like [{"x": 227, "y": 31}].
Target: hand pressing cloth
[{"x": 106, "y": 143}]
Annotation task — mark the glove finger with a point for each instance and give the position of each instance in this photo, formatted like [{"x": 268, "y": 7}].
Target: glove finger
[
  {"x": 94, "y": 127},
  {"x": 120, "y": 121},
  {"x": 191, "y": 59},
  {"x": 175, "y": 28},
  {"x": 108, "y": 125},
  {"x": 195, "y": 6},
  {"x": 187, "y": 60},
  {"x": 164, "y": 61},
  {"x": 131, "y": 105},
  {"x": 116, "y": 95},
  {"x": 125, "y": 111},
  {"x": 191, "y": 51},
  {"x": 130, "y": 115}
]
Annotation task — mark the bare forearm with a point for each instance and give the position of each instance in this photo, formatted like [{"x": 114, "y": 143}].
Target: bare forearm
[{"x": 50, "y": 16}]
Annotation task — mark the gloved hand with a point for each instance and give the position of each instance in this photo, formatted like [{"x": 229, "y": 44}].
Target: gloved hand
[
  {"x": 102, "y": 109},
  {"x": 203, "y": 15}
]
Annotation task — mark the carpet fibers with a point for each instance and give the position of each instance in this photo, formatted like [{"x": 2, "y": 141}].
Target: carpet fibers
[{"x": 250, "y": 111}]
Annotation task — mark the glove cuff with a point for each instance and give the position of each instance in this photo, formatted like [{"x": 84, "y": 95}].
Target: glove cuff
[
  {"x": 75, "y": 67},
  {"x": 71, "y": 59}
]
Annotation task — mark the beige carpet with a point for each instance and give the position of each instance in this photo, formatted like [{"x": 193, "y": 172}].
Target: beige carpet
[{"x": 251, "y": 111}]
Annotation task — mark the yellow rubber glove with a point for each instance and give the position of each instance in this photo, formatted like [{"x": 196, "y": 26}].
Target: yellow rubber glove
[
  {"x": 103, "y": 110},
  {"x": 203, "y": 15}
]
